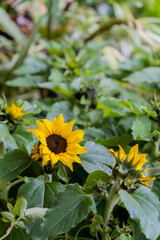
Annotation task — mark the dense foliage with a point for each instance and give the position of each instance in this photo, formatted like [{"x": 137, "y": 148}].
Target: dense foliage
[{"x": 98, "y": 63}]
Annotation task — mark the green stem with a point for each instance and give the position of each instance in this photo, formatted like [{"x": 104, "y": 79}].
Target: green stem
[
  {"x": 9, "y": 230},
  {"x": 110, "y": 204},
  {"x": 49, "y": 177},
  {"x": 81, "y": 228}
]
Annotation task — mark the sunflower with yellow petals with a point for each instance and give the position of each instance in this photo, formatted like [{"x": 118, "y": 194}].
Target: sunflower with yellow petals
[
  {"x": 135, "y": 160},
  {"x": 58, "y": 142},
  {"x": 15, "y": 111}
]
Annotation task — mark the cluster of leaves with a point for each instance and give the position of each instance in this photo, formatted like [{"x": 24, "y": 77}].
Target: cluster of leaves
[{"x": 96, "y": 62}]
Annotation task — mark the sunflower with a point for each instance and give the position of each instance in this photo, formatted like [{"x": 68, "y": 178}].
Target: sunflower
[
  {"x": 15, "y": 111},
  {"x": 58, "y": 142},
  {"x": 135, "y": 160}
]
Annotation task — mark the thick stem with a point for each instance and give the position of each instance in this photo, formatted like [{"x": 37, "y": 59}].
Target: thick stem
[{"x": 110, "y": 204}]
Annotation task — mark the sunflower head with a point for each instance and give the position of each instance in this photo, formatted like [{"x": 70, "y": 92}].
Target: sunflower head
[
  {"x": 15, "y": 111},
  {"x": 57, "y": 142},
  {"x": 130, "y": 166}
]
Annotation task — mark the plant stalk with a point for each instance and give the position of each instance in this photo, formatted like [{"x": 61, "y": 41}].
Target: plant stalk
[{"x": 110, "y": 204}]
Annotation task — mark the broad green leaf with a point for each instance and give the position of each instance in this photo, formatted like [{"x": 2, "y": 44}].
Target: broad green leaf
[
  {"x": 137, "y": 233},
  {"x": 8, "y": 217},
  {"x": 96, "y": 178},
  {"x": 143, "y": 128},
  {"x": 33, "y": 192},
  {"x": 95, "y": 157},
  {"x": 122, "y": 140},
  {"x": 63, "y": 107},
  {"x": 18, "y": 234},
  {"x": 10, "y": 26},
  {"x": 147, "y": 75},
  {"x": 32, "y": 65},
  {"x": 21, "y": 137},
  {"x": 111, "y": 107},
  {"x": 34, "y": 214},
  {"x": 13, "y": 164},
  {"x": 70, "y": 208},
  {"x": 52, "y": 190},
  {"x": 20, "y": 206},
  {"x": 92, "y": 133},
  {"x": 143, "y": 206},
  {"x": 25, "y": 81},
  {"x": 7, "y": 138}
]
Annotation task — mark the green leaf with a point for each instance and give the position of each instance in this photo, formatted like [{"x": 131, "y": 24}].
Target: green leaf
[
  {"x": 137, "y": 234},
  {"x": 70, "y": 208},
  {"x": 95, "y": 157},
  {"x": 18, "y": 234},
  {"x": 33, "y": 192},
  {"x": 7, "y": 138},
  {"x": 142, "y": 128},
  {"x": 23, "y": 137},
  {"x": 32, "y": 65},
  {"x": 13, "y": 164},
  {"x": 8, "y": 217},
  {"x": 143, "y": 205},
  {"x": 94, "y": 178},
  {"x": 10, "y": 26},
  {"x": 2, "y": 185},
  {"x": 63, "y": 107},
  {"x": 62, "y": 174},
  {"x": 123, "y": 237},
  {"x": 93, "y": 133},
  {"x": 122, "y": 140},
  {"x": 111, "y": 107},
  {"x": 52, "y": 190},
  {"x": 11, "y": 208},
  {"x": 20, "y": 206},
  {"x": 25, "y": 81},
  {"x": 34, "y": 214},
  {"x": 147, "y": 75}
]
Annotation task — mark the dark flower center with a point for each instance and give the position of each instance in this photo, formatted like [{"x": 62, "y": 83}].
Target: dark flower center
[{"x": 56, "y": 143}]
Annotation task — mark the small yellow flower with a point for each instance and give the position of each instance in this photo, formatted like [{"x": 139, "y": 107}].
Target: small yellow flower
[
  {"x": 137, "y": 160},
  {"x": 15, "y": 111},
  {"x": 36, "y": 153},
  {"x": 58, "y": 141}
]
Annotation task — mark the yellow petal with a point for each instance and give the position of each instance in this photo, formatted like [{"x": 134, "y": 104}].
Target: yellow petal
[
  {"x": 133, "y": 152},
  {"x": 45, "y": 150},
  {"x": 67, "y": 129},
  {"x": 36, "y": 156},
  {"x": 58, "y": 124},
  {"x": 46, "y": 158},
  {"x": 67, "y": 162},
  {"x": 122, "y": 153},
  {"x": 141, "y": 161},
  {"x": 42, "y": 128},
  {"x": 113, "y": 152},
  {"x": 76, "y": 149},
  {"x": 54, "y": 158},
  {"x": 76, "y": 136},
  {"x": 49, "y": 125},
  {"x": 38, "y": 135}
]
